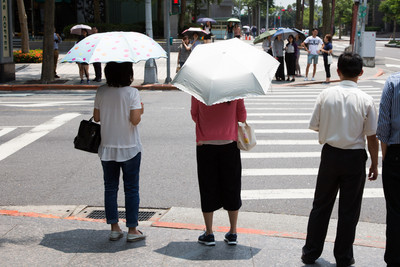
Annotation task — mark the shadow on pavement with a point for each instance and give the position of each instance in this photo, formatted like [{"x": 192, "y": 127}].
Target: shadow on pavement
[
  {"x": 195, "y": 251},
  {"x": 87, "y": 241}
]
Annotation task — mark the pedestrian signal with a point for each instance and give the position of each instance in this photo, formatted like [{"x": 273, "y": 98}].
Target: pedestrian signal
[{"x": 175, "y": 7}]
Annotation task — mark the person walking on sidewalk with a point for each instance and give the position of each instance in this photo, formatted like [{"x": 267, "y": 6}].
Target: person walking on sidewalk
[
  {"x": 326, "y": 52},
  {"x": 298, "y": 43},
  {"x": 96, "y": 65},
  {"x": 57, "y": 41},
  {"x": 388, "y": 133},
  {"x": 117, "y": 106},
  {"x": 314, "y": 43},
  {"x": 267, "y": 45},
  {"x": 277, "y": 51},
  {"x": 343, "y": 116},
  {"x": 219, "y": 166}
]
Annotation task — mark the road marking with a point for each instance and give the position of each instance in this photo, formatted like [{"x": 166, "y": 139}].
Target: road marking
[
  {"x": 279, "y": 155},
  {"x": 298, "y": 194},
  {"x": 276, "y": 121},
  {"x": 288, "y": 108},
  {"x": 392, "y": 65},
  {"x": 278, "y": 114},
  {"x": 46, "y": 104},
  {"x": 287, "y": 142},
  {"x": 391, "y": 58},
  {"x": 41, "y": 130},
  {"x": 5, "y": 131},
  {"x": 381, "y": 81},
  {"x": 276, "y": 155},
  {"x": 261, "y": 131},
  {"x": 283, "y": 172}
]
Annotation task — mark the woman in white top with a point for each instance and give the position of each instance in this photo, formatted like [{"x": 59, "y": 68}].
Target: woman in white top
[{"x": 117, "y": 106}]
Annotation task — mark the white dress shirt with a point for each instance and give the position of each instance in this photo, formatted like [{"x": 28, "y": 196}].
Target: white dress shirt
[{"x": 343, "y": 115}]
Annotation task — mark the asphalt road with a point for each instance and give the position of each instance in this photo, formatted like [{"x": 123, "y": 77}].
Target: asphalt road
[{"x": 49, "y": 171}]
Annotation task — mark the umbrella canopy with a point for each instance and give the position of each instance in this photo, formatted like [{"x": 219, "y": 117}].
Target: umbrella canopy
[
  {"x": 233, "y": 20},
  {"x": 77, "y": 29},
  {"x": 204, "y": 20},
  {"x": 285, "y": 33},
  {"x": 246, "y": 27},
  {"x": 193, "y": 30},
  {"x": 300, "y": 33},
  {"x": 226, "y": 70},
  {"x": 261, "y": 37},
  {"x": 115, "y": 46}
]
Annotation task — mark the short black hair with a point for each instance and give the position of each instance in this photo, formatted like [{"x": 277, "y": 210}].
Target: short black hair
[
  {"x": 350, "y": 65},
  {"x": 119, "y": 74}
]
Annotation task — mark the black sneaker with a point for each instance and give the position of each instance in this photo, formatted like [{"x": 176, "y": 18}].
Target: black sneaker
[
  {"x": 231, "y": 239},
  {"x": 207, "y": 240}
]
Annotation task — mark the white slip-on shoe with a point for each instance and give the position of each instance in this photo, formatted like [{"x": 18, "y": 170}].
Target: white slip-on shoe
[
  {"x": 115, "y": 235},
  {"x": 135, "y": 237}
]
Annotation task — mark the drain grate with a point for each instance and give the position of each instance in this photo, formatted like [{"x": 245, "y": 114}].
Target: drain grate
[{"x": 100, "y": 214}]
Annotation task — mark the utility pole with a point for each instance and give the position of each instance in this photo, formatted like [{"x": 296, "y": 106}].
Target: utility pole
[
  {"x": 354, "y": 24},
  {"x": 167, "y": 21},
  {"x": 150, "y": 68}
]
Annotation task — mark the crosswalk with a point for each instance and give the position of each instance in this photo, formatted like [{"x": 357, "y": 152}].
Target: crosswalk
[{"x": 286, "y": 148}]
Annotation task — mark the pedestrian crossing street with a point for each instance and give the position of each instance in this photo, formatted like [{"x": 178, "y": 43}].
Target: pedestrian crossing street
[{"x": 286, "y": 148}]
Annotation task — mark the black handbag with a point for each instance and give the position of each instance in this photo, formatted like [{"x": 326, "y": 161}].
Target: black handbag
[{"x": 88, "y": 138}]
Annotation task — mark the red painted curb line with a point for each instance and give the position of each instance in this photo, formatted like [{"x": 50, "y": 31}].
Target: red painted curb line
[{"x": 189, "y": 226}]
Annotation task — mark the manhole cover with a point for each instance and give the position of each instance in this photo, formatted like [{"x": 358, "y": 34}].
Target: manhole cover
[{"x": 100, "y": 214}]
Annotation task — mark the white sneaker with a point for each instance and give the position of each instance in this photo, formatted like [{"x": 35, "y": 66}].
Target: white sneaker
[
  {"x": 306, "y": 79},
  {"x": 312, "y": 79}
]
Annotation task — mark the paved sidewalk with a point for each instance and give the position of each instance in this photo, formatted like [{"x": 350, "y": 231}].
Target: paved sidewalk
[{"x": 42, "y": 239}]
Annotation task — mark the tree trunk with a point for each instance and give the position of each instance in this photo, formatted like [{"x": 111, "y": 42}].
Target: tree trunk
[
  {"x": 299, "y": 22},
  {"x": 96, "y": 11},
  {"x": 311, "y": 23},
  {"x": 333, "y": 18},
  {"x": 182, "y": 16},
  {"x": 340, "y": 26},
  {"x": 394, "y": 29},
  {"x": 326, "y": 17},
  {"x": 23, "y": 22},
  {"x": 48, "y": 43}
]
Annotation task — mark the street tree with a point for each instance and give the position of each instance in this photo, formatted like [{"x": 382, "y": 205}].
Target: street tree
[
  {"x": 343, "y": 14},
  {"x": 326, "y": 16},
  {"x": 48, "y": 43},
  {"x": 391, "y": 11},
  {"x": 23, "y": 24}
]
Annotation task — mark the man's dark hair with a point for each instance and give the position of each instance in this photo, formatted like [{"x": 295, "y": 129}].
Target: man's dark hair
[
  {"x": 350, "y": 65},
  {"x": 119, "y": 74}
]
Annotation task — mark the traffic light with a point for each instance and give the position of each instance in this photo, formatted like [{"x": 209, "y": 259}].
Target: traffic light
[
  {"x": 283, "y": 10},
  {"x": 175, "y": 7}
]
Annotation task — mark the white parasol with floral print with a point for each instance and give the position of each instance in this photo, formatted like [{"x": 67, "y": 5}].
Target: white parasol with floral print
[{"x": 115, "y": 46}]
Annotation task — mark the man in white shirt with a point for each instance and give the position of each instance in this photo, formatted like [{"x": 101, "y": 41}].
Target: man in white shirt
[
  {"x": 314, "y": 46},
  {"x": 343, "y": 116}
]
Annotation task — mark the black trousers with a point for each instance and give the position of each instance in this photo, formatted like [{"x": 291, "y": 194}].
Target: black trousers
[
  {"x": 290, "y": 60},
  {"x": 97, "y": 70},
  {"x": 340, "y": 170},
  {"x": 391, "y": 187},
  {"x": 280, "y": 72},
  {"x": 327, "y": 66},
  {"x": 219, "y": 171}
]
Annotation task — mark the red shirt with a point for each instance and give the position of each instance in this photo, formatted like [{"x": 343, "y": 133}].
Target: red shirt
[{"x": 217, "y": 122}]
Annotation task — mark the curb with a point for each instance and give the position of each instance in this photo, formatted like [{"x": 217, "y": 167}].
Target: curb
[{"x": 39, "y": 87}]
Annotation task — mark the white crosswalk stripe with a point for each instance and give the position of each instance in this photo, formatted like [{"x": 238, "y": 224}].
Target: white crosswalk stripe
[{"x": 286, "y": 148}]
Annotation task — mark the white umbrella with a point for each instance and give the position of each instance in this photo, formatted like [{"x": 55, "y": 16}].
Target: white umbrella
[
  {"x": 77, "y": 29},
  {"x": 225, "y": 71},
  {"x": 115, "y": 46}
]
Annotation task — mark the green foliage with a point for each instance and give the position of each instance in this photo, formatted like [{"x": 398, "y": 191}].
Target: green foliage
[
  {"x": 390, "y": 9},
  {"x": 373, "y": 28},
  {"x": 34, "y": 56}
]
